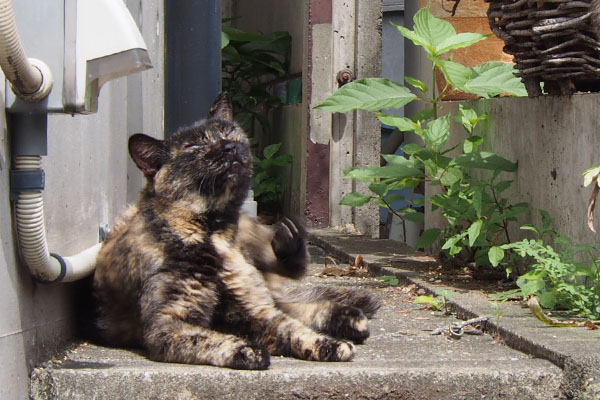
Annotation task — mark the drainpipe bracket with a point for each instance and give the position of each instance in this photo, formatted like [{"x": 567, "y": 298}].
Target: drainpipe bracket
[{"x": 26, "y": 180}]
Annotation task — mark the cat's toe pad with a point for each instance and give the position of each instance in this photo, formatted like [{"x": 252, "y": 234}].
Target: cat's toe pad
[
  {"x": 253, "y": 357},
  {"x": 333, "y": 350}
]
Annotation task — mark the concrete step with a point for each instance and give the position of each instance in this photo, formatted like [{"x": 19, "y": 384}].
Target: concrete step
[{"x": 401, "y": 360}]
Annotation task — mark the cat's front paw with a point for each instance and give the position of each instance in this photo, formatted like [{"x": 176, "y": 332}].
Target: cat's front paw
[
  {"x": 289, "y": 245},
  {"x": 348, "y": 323},
  {"x": 330, "y": 349},
  {"x": 252, "y": 357}
]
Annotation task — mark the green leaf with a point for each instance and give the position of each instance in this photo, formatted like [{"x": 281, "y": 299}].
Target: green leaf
[
  {"x": 530, "y": 287},
  {"x": 515, "y": 210},
  {"x": 437, "y": 133},
  {"x": 394, "y": 159},
  {"x": 546, "y": 219},
  {"x": 224, "y": 40},
  {"x": 459, "y": 41},
  {"x": 380, "y": 189},
  {"x": 529, "y": 227},
  {"x": 466, "y": 117},
  {"x": 368, "y": 174},
  {"x": 454, "y": 243},
  {"x": 451, "y": 176},
  {"x": 494, "y": 78},
  {"x": 456, "y": 74},
  {"x": 434, "y": 302},
  {"x": 403, "y": 124},
  {"x": 390, "y": 198},
  {"x": 416, "y": 83},
  {"x": 548, "y": 300},
  {"x": 478, "y": 201},
  {"x": 474, "y": 231},
  {"x": 282, "y": 161},
  {"x": 428, "y": 237},
  {"x": 270, "y": 150},
  {"x": 412, "y": 148},
  {"x": 241, "y": 36},
  {"x": 485, "y": 160},
  {"x": 472, "y": 143},
  {"x": 410, "y": 214},
  {"x": 429, "y": 31},
  {"x": 371, "y": 94},
  {"x": 495, "y": 254},
  {"x": 355, "y": 199},
  {"x": 388, "y": 280},
  {"x": 590, "y": 175},
  {"x": 424, "y": 114},
  {"x": 502, "y": 186}
]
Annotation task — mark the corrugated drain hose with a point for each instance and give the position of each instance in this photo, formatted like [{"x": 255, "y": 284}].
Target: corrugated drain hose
[{"x": 31, "y": 80}]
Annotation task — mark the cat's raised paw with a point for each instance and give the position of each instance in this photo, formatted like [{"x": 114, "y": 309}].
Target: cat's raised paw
[
  {"x": 289, "y": 245},
  {"x": 348, "y": 323},
  {"x": 252, "y": 357}
]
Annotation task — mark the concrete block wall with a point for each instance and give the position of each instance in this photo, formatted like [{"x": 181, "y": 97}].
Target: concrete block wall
[
  {"x": 89, "y": 181},
  {"x": 554, "y": 139}
]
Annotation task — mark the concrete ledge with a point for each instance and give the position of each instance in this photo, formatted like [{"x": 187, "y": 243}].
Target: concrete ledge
[
  {"x": 400, "y": 360},
  {"x": 575, "y": 350}
]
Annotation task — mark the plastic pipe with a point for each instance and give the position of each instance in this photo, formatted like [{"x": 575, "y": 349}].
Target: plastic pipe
[
  {"x": 30, "y": 79},
  {"x": 31, "y": 231}
]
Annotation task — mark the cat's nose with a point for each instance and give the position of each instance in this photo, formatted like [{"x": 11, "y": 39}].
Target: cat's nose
[{"x": 229, "y": 147}]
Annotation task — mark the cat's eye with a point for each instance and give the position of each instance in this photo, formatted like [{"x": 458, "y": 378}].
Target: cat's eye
[{"x": 190, "y": 146}]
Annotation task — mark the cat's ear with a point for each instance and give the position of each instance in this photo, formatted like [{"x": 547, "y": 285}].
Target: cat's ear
[
  {"x": 221, "y": 107},
  {"x": 149, "y": 154}
]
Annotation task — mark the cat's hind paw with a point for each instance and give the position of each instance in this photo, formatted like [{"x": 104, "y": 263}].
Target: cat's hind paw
[
  {"x": 348, "y": 323},
  {"x": 252, "y": 357}
]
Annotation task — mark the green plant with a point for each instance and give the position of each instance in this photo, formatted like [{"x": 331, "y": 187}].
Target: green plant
[
  {"x": 478, "y": 216},
  {"x": 388, "y": 280},
  {"x": 265, "y": 182},
  {"x": 436, "y": 303},
  {"x": 499, "y": 307},
  {"x": 250, "y": 62},
  {"x": 563, "y": 275}
]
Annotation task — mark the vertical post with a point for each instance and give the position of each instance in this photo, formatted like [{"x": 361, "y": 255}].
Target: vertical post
[
  {"x": 342, "y": 132},
  {"x": 192, "y": 60},
  {"x": 367, "y": 129}
]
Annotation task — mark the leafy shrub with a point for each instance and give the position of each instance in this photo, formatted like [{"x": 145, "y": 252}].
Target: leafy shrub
[
  {"x": 477, "y": 215},
  {"x": 266, "y": 185}
]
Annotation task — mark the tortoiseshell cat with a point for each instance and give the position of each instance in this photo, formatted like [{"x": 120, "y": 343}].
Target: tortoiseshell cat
[{"x": 189, "y": 277}]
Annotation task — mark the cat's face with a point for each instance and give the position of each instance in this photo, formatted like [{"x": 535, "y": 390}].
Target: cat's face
[{"x": 209, "y": 162}]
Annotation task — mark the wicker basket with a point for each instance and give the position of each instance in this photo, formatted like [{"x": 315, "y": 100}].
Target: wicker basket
[{"x": 552, "y": 41}]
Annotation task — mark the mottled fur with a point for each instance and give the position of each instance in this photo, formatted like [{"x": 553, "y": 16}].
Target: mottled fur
[
  {"x": 595, "y": 10},
  {"x": 189, "y": 278}
]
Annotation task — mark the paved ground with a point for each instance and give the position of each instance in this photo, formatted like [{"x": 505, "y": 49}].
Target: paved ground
[{"x": 401, "y": 359}]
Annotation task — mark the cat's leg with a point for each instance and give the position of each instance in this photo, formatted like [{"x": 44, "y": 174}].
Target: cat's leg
[
  {"x": 176, "y": 319},
  {"x": 273, "y": 328}
]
